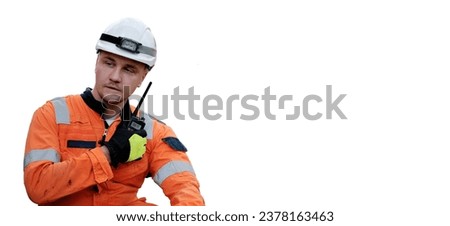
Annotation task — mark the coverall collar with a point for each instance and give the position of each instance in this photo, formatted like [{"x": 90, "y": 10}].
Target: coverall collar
[{"x": 98, "y": 107}]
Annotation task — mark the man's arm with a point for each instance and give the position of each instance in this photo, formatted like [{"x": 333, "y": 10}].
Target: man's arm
[
  {"x": 47, "y": 176},
  {"x": 171, "y": 169}
]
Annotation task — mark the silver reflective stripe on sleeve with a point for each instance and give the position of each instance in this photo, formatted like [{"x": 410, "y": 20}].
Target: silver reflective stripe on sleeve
[
  {"x": 61, "y": 110},
  {"x": 39, "y": 155},
  {"x": 148, "y": 126},
  {"x": 170, "y": 169}
]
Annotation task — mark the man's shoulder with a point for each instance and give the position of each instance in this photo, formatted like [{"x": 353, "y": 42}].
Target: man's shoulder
[
  {"x": 151, "y": 117},
  {"x": 64, "y": 101},
  {"x": 56, "y": 107},
  {"x": 58, "y": 104},
  {"x": 57, "y": 99}
]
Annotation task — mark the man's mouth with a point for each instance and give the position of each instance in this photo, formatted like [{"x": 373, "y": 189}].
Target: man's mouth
[{"x": 114, "y": 88}]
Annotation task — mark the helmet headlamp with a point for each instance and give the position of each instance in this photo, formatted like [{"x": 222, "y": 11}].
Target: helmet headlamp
[{"x": 128, "y": 44}]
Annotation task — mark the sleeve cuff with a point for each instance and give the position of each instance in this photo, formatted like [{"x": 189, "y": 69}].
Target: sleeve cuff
[{"x": 100, "y": 165}]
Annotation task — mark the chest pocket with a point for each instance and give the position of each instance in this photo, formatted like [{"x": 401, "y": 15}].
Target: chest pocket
[{"x": 77, "y": 138}]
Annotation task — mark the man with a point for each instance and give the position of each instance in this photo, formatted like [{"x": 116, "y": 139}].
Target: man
[{"x": 87, "y": 149}]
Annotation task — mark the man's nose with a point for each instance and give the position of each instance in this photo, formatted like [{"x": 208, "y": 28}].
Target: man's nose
[{"x": 115, "y": 75}]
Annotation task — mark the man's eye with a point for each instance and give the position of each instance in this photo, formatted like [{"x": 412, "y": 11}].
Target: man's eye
[
  {"x": 130, "y": 70},
  {"x": 109, "y": 63}
]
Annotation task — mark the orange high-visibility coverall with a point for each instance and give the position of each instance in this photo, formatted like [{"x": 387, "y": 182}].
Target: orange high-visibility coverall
[{"x": 64, "y": 163}]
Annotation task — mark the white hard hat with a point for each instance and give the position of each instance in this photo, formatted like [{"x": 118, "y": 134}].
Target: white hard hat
[{"x": 129, "y": 38}]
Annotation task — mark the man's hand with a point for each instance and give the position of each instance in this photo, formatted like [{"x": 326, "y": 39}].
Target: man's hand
[{"x": 126, "y": 145}]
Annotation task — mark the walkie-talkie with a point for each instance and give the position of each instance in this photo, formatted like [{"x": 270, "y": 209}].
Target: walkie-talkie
[{"x": 137, "y": 123}]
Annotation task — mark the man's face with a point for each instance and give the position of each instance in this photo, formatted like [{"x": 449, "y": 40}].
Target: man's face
[{"x": 116, "y": 78}]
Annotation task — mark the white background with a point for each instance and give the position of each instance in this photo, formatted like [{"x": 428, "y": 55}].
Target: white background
[{"x": 387, "y": 164}]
